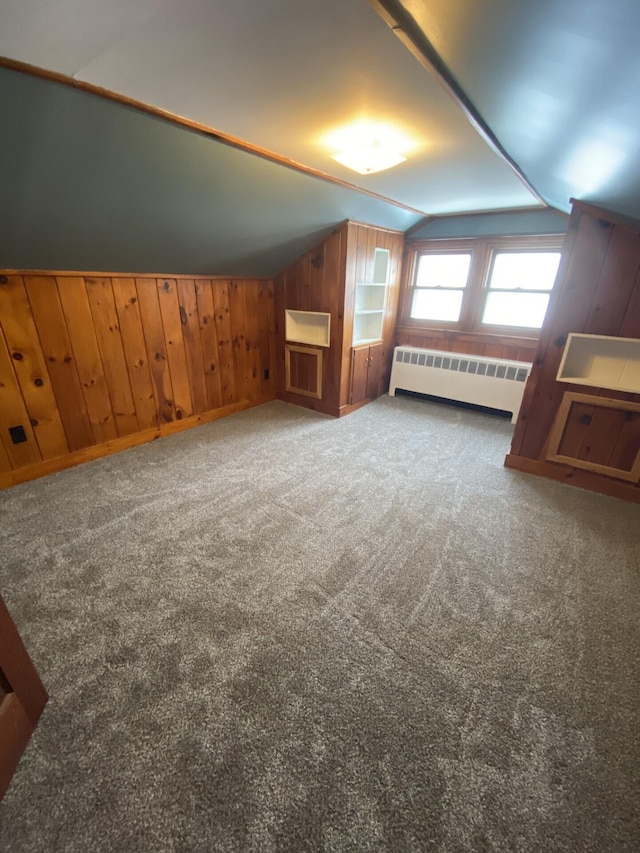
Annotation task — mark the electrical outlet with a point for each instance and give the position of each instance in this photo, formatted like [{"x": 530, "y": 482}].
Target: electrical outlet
[{"x": 18, "y": 435}]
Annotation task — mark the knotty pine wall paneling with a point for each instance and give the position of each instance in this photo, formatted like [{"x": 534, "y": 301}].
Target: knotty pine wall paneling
[
  {"x": 90, "y": 364},
  {"x": 597, "y": 292},
  {"x": 315, "y": 283},
  {"x": 324, "y": 280},
  {"x": 468, "y": 343}
]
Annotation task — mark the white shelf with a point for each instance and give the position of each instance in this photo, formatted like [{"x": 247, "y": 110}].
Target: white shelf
[
  {"x": 367, "y": 326},
  {"x": 307, "y": 327},
  {"x": 381, "y": 266},
  {"x": 370, "y": 297},
  {"x": 601, "y": 362}
]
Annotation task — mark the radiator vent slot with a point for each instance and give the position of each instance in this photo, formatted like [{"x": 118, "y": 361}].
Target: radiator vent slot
[
  {"x": 482, "y": 368},
  {"x": 492, "y": 382}
]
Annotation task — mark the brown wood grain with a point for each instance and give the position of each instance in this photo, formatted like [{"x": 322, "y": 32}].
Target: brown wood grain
[
  {"x": 568, "y": 314},
  {"x": 126, "y": 301},
  {"x": 209, "y": 343},
  {"x": 23, "y": 704},
  {"x": 48, "y": 316},
  {"x": 30, "y": 367},
  {"x": 13, "y": 412},
  {"x": 359, "y": 372},
  {"x": 79, "y": 320},
  {"x": 598, "y": 292},
  {"x": 172, "y": 323},
  {"x": 225, "y": 342},
  {"x": 264, "y": 308},
  {"x": 114, "y": 363},
  {"x": 252, "y": 338},
  {"x": 119, "y": 355},
  {"x": 187, "y": 300},
  {"x": 156, "y": 349},
  {"x": 5, "y": 462}
]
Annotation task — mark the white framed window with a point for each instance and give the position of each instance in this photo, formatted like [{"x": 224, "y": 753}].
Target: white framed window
[
  {"x": 517, "y": 288},
  {"x": 487, "y": 285},
  {"x": 439, "y": 285}
]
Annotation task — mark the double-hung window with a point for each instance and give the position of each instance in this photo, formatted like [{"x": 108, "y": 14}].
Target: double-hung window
[
  {"x": 517, "y": 288},
  {"x": 498, "y": 285},
  {"x": 440, "y": 282}
]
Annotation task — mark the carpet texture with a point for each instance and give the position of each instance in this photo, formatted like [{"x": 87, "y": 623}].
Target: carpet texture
[{"x": 284, "y": 632}]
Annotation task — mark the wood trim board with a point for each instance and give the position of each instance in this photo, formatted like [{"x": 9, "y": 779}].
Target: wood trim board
[{"x": 560, "y": 423}]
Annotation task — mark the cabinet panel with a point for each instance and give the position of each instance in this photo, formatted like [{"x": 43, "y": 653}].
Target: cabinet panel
[
  {"x": 353, "y": 278},
  {"x": 375, "y": 371},
  {"x": 359, "y": 373}
]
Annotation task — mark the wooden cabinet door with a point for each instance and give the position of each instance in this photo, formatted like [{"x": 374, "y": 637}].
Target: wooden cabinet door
[
  {"x": 359, "y": 373},
  {"x": 22, "y": 697},
  {"x": 375, "y": 371}
]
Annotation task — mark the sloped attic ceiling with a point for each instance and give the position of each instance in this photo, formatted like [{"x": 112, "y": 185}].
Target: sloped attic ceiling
[
  {"x": 556, "y": 81},
  {"x": 280, "y": 75}
]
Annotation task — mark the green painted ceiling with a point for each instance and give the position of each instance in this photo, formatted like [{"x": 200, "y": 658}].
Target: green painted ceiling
[{"x": 87, "y": 183}]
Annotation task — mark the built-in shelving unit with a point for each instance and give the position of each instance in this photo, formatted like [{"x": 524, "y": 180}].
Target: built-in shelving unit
[
  {"x": 368, "y": 320},
  {"x": 601, "y": 362},
  {"x": 308, "y": 327}
]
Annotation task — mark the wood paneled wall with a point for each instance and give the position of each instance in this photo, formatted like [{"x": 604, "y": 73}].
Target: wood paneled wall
[
  {"x": 470, "y": 343},
  {"x": 324, "y": 280},
  {"x": 597, "y": 292},
  {"x": 90, "y": 364},
  {"x": 315, "y": 282}
]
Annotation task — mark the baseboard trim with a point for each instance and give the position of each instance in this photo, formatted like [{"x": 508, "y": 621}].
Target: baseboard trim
[
  {"x": 574, "y": 477},
  {"x": 97, "y": 451},
  {"x": 308, "y": 403}
]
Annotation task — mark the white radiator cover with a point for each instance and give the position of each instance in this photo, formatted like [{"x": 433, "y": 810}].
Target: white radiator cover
[{"x": 493, "y": 382}]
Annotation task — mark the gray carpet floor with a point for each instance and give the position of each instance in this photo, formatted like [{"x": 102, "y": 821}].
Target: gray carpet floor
[{"x": 284, "y": 632}]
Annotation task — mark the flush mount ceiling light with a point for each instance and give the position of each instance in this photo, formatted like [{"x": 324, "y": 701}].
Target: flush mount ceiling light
[
  {"x": 369, "y": 157},
  {"x": 367, "y": 147}
]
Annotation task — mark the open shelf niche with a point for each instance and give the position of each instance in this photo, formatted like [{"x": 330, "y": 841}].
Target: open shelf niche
[
  {"x": 371, "y": 296},
  {"x": 308, "y": 327},
  {"x": 601, "y": 362}
]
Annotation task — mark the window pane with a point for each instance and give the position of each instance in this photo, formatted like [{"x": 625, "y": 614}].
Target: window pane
[
  {"x": 528, "y": 270},
  {"x": 515, "y": 309},
  {"x": 443, "y": 270},
  {"x": 436, "y": 304}
]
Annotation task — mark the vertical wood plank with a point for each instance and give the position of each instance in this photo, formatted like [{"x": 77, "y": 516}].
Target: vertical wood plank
[
  {"x": 56, "y": 346},
  {"x": 79, "y": 322},
  {"x": 630, "y": 327},
  {"x": 187, "y": 301},
  {"x": 126, "y": 301},
  {"x": 13, "y": 412},
  {"x": 627, "y": 445},
  {"x": 252, "y": 320},
  {"x": 172, "y": 324},
  {"x": 569, "y": 310},
  {"x": 156, "y": 350},
  {"x": 105, "y": 320},
  {"x": 5, "y": 462},
  {"x": 359, "y": 367},
  {"x": 615, "y": 284},
  {"x": 241, "y": 344},
  {"x": 278, "y": 329},
  {"x": 209, "y": 343},
  {"x": 265, "y": 323},
  {"x": 225, "y": 341},
  {"x": 30, "y": 367}
]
